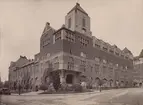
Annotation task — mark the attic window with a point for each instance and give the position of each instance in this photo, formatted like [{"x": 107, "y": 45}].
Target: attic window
[
  {"x": 122, "y": 55},
  {"x": 117, "y": 53},
  {"x": 111, "y": 51},
  {"x": 97, "y": 45},
  {"x": 105, "y": 49}
]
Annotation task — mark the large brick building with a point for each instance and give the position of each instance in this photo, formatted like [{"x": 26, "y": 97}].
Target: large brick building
[
  {"x": 75, "y": 55},
  {"x": 138, "y": 69}
]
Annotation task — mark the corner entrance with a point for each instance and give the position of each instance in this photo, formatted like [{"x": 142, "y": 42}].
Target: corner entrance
[{"x": 69, "y": 79}]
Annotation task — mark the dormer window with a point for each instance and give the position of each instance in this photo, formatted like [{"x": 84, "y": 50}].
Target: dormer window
[
  {"x": 96, "y": 45},
  {"x": 111, "y": 51},
  {"x": 83, "y": 30},
  {"x": 117, "y": 53},
  {"x": 105, "y": 49}
]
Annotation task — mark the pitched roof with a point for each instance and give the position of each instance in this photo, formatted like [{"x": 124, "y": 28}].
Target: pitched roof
[
  {"x": 47, "y": 28},
  {"x": 141, "y": 54},
  {"x": 125, "y": 50},
  {"x": 77, "y": 7},
  {"x": 136, "y": 58}
]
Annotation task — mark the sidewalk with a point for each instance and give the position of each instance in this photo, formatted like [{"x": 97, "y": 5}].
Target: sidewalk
[
  {"x": 82, "y": 93},
  {"x": 29, "y": 93}
]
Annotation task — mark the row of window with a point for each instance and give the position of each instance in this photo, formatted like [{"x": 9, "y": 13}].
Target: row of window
[
  {"x": 58, "y": 36},
  {"x": 98, "y": 60},
  {"x": 111, "y": 51},
  {"x": 70, "y": 36},
  {"x": 104, "y": 62},
  {"x": 46, "y": 42},
  {"x": 83, "y": 41},
  {"x": 27, "y": 71},
  {"x": 96, "y": 69},
  {"x": 83, "y": 22}
]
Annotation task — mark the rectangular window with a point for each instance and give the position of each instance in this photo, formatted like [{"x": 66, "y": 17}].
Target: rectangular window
[
  {"x": 70, "y": 36},
  {"x": 70, "y": 66},
  {"x": 122, "y": 55},
  {"x": 91, "y": 69},
  {"x": 69, "y": 23},
  {"x": 83, "y": 22},
  {"x": 58, "y": 36},
  {"x": 96, "y": 45},
  {"x": 96, "y": 68},
  {"x": 117, "y": 53},
  {"x": 56, "y": 65},
  {"x": 111, "y": 51},
  {"x": 105, "y": 49}
]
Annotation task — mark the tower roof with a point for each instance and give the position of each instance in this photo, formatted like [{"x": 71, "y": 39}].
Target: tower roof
[
  {"x": 77, "y": 7},
  {"x": 141, "y": 54}
]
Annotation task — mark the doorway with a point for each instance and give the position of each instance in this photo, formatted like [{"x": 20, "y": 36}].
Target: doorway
[{"x": 69, "y": 79}]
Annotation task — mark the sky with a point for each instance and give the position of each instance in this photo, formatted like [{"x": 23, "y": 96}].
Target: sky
[{"x": 22, "y": 22}]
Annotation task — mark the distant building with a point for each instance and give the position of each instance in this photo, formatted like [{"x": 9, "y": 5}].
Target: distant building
[
  {"x": 138, "y": 69},
  {"x": 74, "y": 54}
]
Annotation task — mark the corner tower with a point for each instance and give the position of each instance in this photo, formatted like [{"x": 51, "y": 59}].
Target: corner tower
[{"x": 78, "y": 20}]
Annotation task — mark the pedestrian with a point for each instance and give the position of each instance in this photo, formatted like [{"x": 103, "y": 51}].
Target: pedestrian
[
  {"x": 100, "y": 88},
  {"x": 100, "y": 84},
  {"x": 19, "y": 89}
]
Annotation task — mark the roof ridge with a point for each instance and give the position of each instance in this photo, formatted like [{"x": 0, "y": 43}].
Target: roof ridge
[
  {"x": 141, "y": 53},
  {"x": 77, "y": 7}
]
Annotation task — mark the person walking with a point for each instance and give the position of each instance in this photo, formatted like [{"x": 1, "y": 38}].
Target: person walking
[
  {"x": 19, "y": 89},
  {"x": 100, "y": 85},
  {"x": 100, "y": 88}
]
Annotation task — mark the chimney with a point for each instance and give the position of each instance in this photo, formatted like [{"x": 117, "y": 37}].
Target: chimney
[
  {"x": 63, "y": 25},
  {"x": 78, "y": 4},
  {"x": 47, "y": 24}
]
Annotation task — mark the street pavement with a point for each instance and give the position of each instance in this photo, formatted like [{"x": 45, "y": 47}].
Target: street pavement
[{"x": 132, "y": 96}]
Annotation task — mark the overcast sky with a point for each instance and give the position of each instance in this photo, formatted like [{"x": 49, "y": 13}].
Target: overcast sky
[{"x": 118, "y": 22}]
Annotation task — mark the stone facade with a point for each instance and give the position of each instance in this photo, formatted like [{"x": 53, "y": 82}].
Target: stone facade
[
  {"x": 75, "y": 55},
  {"x": 138, "y": 69}
]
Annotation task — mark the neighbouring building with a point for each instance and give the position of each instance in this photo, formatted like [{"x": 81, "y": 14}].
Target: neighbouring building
[
  {"x": 75, "y": 55},
  {"x": 138, "y": 69}
]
